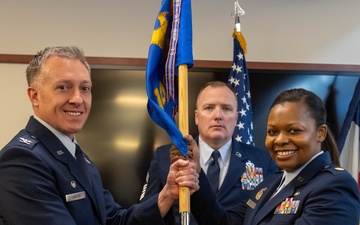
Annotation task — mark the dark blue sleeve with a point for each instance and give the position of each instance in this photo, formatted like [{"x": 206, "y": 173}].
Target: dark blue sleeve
[
  {"x": 157, "y": 174},
  {"x": 28, "y": 193},
  {"x": 208, "y": 211}
]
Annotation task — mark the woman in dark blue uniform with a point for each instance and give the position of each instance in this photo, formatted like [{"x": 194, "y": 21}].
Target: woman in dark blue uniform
[{"x": 311, "y": 189}]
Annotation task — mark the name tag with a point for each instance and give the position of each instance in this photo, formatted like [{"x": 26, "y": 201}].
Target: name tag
[
  {"x": 251, "y": 204},
  {"x": 75, "y": 196}
]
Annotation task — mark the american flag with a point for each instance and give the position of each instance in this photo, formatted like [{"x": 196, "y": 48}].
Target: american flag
[
  {"x": 349, "y": 139},
  {"x": 239, "y": 80}
]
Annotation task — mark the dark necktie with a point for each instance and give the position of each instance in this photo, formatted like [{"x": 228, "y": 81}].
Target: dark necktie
[
  {"x": 81, "y": 161},
  {"x": 214, "y": 170}
]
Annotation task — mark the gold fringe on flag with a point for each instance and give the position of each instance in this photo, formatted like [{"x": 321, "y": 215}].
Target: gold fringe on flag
[{"x": 241, "y": 40}]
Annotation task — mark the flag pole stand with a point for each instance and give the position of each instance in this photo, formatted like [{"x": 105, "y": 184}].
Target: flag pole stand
[{"x": 184, "y": 192}]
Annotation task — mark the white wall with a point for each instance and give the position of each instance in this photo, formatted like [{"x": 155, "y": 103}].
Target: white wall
[
  {"x": 15, "y": 107},
  {"x": 309, "y": 31},
  {"x": 302, "y": 31}
]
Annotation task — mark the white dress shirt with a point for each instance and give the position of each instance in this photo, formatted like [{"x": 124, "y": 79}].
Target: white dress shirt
[{"x": 224, "y": 159}]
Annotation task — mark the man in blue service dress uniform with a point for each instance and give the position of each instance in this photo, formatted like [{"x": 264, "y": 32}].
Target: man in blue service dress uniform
[
  {"x": 242, "y": 166},
  {"x": 45, "y": 178}
]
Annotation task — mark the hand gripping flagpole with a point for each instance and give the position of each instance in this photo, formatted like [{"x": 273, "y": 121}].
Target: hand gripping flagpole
[
  {"x": 184, "y": 192},
  {"x": 183, "y": 99},
  {"x": 171, "y": 40},
  {"x": 182, "y": 12}
]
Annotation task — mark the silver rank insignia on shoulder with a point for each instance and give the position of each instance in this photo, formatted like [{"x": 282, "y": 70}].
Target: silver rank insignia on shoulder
[{"x": 25, "y": 141}]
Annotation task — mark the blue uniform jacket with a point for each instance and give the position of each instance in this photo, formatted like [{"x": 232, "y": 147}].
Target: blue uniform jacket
[
  {"x": 247, "y": 165},
  {"x": 321, "y": 194},
  {"x": 41, "y": 183}
]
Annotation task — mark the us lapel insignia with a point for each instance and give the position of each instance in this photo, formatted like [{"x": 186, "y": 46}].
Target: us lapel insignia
[
  {"x": 260, "y": 193},
  {"x": 238, "y": 154},
  {"x": 301, "y": 179},
  {"x": 59, "y": 152},
  {"x": 73, "y": 184}
]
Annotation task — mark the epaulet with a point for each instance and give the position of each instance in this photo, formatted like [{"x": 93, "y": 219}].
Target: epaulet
[
  {"x": 333, "y": 169},
  {"x": 28, "y": 141}
]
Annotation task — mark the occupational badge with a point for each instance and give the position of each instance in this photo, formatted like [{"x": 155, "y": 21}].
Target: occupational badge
[{"x": 260, "y": 193}]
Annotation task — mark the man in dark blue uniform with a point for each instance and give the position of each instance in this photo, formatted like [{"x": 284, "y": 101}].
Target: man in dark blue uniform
[
  {"x": 241, "y": 167},
  {"x": 45, "y": 178}
]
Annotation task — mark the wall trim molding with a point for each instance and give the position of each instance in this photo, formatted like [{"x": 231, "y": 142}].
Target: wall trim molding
[{"x": 136, "y": 63}]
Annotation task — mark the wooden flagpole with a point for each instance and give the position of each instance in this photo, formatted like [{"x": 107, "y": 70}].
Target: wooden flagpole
[{"x": 184, "y": 192}]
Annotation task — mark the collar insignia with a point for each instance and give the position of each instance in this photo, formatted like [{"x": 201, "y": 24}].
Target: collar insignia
[{"x": 59, "y": 152}]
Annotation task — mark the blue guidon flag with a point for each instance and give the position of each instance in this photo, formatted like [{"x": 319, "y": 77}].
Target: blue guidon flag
[
  {"x": 171, "y": 46},
  {"x": 349, "y": 139}
]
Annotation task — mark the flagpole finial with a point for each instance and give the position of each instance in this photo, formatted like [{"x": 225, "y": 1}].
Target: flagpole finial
[{"x": 238, "y": 11}]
